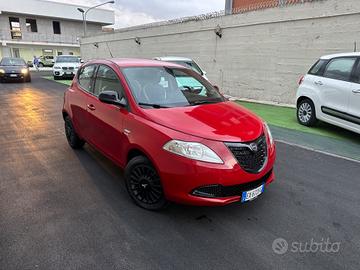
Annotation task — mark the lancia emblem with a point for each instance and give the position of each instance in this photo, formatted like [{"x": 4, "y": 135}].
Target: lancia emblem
[{"x": 253, "y": 147}]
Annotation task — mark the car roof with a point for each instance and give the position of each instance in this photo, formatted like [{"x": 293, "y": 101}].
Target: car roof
[
  {"x": 173, "y": 58},
  {"x": 331, "y": 56},
  {"x": 136, "y": 62}
]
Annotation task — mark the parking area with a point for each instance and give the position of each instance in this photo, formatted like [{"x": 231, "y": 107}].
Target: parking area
[{"x": 66, "y": 209}]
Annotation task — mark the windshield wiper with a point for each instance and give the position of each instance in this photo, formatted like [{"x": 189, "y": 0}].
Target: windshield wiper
[
  {"x": 199, "y": 102},
  {"x": 156, "y": 106}
]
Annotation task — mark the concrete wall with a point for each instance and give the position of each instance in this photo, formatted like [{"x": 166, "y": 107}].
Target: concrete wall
[{"x": 261, "y": 55}]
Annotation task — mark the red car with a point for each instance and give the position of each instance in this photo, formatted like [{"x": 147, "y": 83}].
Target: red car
[{"x": 175, "y": 135}]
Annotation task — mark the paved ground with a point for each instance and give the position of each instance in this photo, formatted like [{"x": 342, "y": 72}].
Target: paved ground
[{"x": 65, "y": 209}]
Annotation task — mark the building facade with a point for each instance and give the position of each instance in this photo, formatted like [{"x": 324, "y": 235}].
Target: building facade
[{"x": 45, "y": 28}]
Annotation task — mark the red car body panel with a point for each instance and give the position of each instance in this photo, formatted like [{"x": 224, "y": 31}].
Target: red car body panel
[{"x": 116, "y": 132}]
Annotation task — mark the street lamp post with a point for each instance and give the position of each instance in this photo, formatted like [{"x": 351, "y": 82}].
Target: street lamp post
[{"x": 84, "y": 13}]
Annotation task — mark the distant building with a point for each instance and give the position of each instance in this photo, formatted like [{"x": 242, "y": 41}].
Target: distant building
[
  {"x": 235, "y": 6},
  {"x": 45, "y": 28}
]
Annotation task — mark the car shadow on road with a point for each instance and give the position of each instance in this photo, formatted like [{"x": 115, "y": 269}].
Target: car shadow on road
[{"x": 108, "y": 179}]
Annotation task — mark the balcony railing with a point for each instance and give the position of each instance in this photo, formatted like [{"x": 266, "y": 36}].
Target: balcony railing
[{"x": 39, "y": 37}]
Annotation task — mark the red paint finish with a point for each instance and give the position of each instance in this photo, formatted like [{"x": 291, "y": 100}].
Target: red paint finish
[{"x": 105, "y": 127}]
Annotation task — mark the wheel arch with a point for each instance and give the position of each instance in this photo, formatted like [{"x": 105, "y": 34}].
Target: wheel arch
[{"x": 301, "y": 98}]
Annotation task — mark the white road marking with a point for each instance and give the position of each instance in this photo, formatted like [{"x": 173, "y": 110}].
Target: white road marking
[{"x": 318, "y": 151}]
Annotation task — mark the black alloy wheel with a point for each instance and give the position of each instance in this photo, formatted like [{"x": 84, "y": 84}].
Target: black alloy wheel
[
  {"x": 73, "y": 139},
  {"x": 144, "y": 185}
]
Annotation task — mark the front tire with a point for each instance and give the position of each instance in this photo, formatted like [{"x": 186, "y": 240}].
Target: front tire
[
  {"x": 144, "y": 185},
  {"x": 73, "y": 139},
  {"x": 306, "y": 114}
]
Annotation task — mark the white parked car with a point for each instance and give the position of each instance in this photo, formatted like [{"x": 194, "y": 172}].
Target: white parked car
[
  {"x": 66, "y": 66},
  {"x": 330, "y": 92},
  {"x": 186, "y": 62}
]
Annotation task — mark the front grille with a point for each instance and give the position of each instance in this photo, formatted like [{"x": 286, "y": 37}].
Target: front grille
[
  {"x": 64, "y": 68},
  {"x": 220, "y": 191},
  {"x": 71, "y": 68},
  {"x": 251, "y": 156}
]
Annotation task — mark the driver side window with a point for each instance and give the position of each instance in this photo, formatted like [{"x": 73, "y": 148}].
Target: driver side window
[{"x": 107, "y": 80}]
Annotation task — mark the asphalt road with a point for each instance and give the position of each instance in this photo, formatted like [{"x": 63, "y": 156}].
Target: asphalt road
[{"x": 65, "y": 209}]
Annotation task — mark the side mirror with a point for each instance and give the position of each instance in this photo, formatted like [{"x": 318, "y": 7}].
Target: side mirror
[{"x": 112, "y": 97}]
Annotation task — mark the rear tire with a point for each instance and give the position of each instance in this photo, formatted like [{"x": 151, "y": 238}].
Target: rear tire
[
  {"x": 73, "y": 139},
  {"x": 306, "y": 114},
  {"x": 143, "y": 184}
]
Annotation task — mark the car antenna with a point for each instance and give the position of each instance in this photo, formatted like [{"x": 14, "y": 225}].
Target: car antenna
[{"x": 107, "y": 45}]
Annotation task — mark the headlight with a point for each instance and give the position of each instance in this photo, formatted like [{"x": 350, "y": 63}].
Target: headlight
[
  {"x": 24, "y": 71},
  {"x": 57, "y": 67},
  {"x": 2, "y": 70},
  {"x": 268, "y": 132},
  {"x": 193, "y": 150}
]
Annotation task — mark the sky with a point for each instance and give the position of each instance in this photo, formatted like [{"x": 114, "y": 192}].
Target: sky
[{"x": 135, "y": 12}]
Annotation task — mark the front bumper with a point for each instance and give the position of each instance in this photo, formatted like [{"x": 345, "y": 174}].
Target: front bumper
[
  {"x": 181, "y": 178},
  {"x": 13, "y": 76},
  {"x": 64, "y": 73}
]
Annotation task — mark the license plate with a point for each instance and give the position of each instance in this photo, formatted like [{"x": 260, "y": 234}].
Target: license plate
[
  {"x": 252, "y": 194},
  {"x": 13, "y": 75},
  {"x": 68, "y": 73}
]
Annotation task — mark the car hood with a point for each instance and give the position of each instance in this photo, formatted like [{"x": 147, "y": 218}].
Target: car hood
[
  {"x": 15, "y": 69},
  {"x": 225, "y": 121},
  {"x": 75, "y": 65}
]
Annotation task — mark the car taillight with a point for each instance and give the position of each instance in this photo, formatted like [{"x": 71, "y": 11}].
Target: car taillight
[{"x": 301, "y": 80}]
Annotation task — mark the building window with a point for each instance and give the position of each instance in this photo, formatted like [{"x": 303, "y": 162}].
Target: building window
[
  {"x": 56, "y": 27},
  {"x": 15, "y": 28},
  {"x": 59, "y": 53},
  {"x": 71, "y": 53},
  {"x": 31, "y": 25}
]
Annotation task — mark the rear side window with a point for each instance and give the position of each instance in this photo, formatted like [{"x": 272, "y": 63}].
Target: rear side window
[
  {"x": 86, "y": 76},
  {"x": 318, "y": 67},
  {"x": 107, "y": 80},
  {"x": 340, "y": 68}
]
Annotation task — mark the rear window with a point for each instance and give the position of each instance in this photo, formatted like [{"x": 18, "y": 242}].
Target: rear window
[
  {"x": 340, "y": 68},
  {"x": 316, "y": 69}
]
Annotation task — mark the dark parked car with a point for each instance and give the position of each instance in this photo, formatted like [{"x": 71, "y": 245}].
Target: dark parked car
[{"x": 14, "y": 69}]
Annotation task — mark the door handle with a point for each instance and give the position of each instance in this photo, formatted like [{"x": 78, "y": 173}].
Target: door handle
[
  {"x": 356, "y": 91},
  {"x": 318, "y": 83},
  {"x": 91, "y": 107}
]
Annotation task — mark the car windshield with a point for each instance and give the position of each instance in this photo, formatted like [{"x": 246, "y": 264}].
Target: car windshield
[
  {"x": 189, "y": 64},
  {"x": 67, "y": 59},
  {"x": 160, "y": 87},
  {"x": 12, "y": 62}
]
